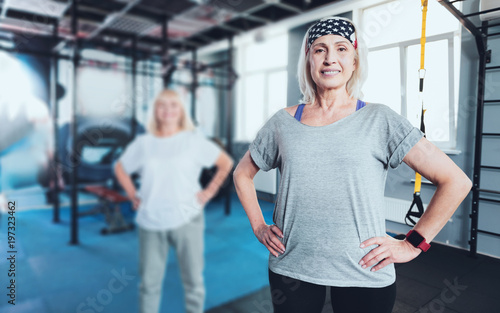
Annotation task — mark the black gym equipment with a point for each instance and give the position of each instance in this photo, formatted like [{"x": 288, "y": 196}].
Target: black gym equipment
[
  {"x": 479, "y": 195},
  {"x": 99, "y": 143}
]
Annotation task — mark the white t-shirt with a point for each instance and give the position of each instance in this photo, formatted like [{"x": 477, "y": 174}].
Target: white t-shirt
[{"x": 170, "y": 168}]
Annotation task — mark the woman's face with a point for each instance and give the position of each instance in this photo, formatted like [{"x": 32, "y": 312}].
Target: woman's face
[
  {"x": 168, "y": 111},
  {"x": 332, "y": 62}
]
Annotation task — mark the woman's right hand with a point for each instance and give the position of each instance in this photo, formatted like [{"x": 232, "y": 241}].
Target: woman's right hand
[{"x": 267, "y": 235}]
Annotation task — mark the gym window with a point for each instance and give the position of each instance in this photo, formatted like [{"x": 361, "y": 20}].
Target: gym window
[
  {"x": 392, "y": 34},
  {"x": 262, "y": 87}
]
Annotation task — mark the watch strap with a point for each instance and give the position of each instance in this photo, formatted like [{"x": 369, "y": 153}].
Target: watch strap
[{"x": 417, "y": 240}]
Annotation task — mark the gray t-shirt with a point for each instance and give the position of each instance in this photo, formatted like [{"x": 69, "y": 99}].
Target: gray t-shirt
[{"x": 331, "y": 193}]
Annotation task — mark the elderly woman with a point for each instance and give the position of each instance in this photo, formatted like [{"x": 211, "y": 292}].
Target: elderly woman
[
  {"x": 333, "y": 152},
  {"x": 170, "y": 203}
]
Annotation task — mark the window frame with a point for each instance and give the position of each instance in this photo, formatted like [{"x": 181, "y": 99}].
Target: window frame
[{"x": 451, "y": 144}]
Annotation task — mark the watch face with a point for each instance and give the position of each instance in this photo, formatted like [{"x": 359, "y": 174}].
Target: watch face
[{"x": 415, "y": 239}]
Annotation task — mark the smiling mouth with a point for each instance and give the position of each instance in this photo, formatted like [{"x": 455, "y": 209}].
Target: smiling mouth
[{"x": 330, "y": 72}]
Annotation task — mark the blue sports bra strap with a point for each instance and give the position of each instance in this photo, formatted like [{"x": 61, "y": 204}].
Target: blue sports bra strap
[
  {"x": 360, "y": 104},
  {"x": 298, "y": 113}
]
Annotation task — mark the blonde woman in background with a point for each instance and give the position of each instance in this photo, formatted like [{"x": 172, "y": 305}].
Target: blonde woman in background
[{"x": 169, "y": 204}]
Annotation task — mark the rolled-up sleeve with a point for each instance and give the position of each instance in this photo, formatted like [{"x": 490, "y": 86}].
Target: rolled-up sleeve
[
  {"x": 401, "y": 141},
  {"x": 264, "y": 149}
]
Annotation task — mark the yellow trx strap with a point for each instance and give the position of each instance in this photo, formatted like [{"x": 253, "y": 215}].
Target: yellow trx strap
[
  {"x": 421, "y": 73},
  {"x": 422, "y": 38},
  {"x": 418, "y": 177}
]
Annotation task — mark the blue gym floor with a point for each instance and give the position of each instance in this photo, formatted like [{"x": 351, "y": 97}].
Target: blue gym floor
[{"x": 101, "y": 273}]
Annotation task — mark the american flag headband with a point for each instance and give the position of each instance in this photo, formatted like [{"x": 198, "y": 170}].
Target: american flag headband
[{"x": 332, "y": 26}]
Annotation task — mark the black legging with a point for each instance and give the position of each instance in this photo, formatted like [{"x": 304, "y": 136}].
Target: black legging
[{"x": 290, "y": 295}]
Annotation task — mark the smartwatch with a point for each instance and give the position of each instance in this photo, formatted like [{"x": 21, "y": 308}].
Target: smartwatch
[{"x": 417, "y": 240}]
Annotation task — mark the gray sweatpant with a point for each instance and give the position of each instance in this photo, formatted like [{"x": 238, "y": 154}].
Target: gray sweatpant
[{"x": 188, "y": 243}]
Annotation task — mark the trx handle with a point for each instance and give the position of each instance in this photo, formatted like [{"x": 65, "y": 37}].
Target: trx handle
[{"x": 417, "y": 201}]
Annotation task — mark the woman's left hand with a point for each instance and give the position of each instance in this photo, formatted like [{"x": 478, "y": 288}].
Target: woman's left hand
[
  {"x": 389, "y": 251},
  {"x": 204, "y": 196}
]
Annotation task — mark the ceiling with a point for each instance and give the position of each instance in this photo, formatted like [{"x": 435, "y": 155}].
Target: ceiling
[{"x": 116, "y": 23}]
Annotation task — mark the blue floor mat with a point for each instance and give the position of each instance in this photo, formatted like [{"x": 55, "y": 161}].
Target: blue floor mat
[{"x": 101, "y": 273}]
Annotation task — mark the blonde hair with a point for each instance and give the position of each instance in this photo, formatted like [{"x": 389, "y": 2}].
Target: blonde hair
[
  {"x": 186, "y": 123},
  {"x": 355, "y": 83}
]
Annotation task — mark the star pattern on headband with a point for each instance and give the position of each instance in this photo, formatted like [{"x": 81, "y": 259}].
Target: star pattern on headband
[{"x": 332, "y": 26}]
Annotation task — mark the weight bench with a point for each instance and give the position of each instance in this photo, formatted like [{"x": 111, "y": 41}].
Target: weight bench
[{"x": 109, "y": 205}]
